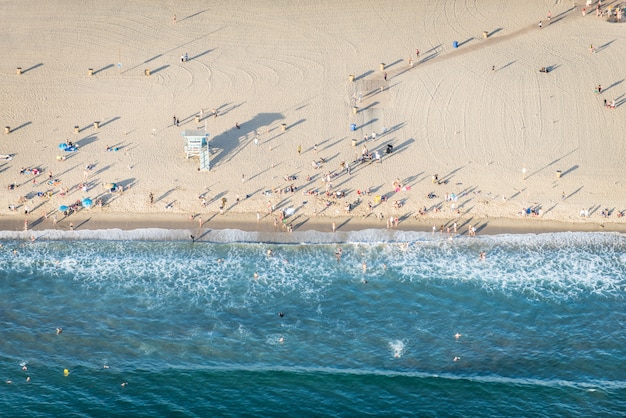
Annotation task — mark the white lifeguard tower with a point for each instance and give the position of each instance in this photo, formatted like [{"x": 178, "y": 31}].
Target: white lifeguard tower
[{"x": 197, "y": 144}]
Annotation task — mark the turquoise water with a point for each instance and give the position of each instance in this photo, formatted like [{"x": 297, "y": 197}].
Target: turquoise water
[{"x": 154, "y": 326}]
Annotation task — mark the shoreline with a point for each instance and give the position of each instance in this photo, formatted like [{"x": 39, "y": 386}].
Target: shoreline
[{"x": 90, "y": 221}]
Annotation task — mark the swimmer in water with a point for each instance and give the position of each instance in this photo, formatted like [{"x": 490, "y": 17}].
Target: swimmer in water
[
  {"x": 364, "y": 267},
  {"x": 456, "y": 358},
  {"x": 483, "y": 255},
  {"x": 256, "y": 275},
  {"x": 270, "y": 253},
  {"x": 281, "y": 314},
  {"x": 59, "y": 330},
  {"x": 457, "y": 336},
  {"x": 338, "y": 254},
  {"x": 281, "y": 340}
]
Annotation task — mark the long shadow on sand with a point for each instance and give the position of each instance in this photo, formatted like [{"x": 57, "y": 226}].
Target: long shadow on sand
[
  {"x": 552, "y": 163},
  {"x": 161, "y": 68},
  {"x": 606, "y": 45},
  {"x": 86, "y": 140},
  {"x": 193, "y": 15},
  {"x": 23, "y": 125},
  {"x": 226, "y": 145},
  {"x": 466, "y": 41},
  {"x": 365, "y": 74},
  {"x": 398, "y": 61},
  {"x": 200, "y": 54},
  {"x": 569, "y": 170},
  {"x": 613, "y": 85},
  {"x": 106, "y": 67},
  {"x": 109, "y": 121},
  {"x": 32, "y": 68}
]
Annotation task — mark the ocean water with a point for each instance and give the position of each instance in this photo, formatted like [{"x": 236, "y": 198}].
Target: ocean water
[{"x": 155, "y": 325}]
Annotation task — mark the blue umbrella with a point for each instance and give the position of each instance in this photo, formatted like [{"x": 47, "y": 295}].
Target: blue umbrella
[
  {"x": 87, "y": 202},
  {"x": 63, "y": 208},
  {"x": 63, "y": 146}
]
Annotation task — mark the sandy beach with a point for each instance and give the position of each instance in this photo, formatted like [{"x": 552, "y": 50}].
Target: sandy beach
[{"x": 295, "y": 96}]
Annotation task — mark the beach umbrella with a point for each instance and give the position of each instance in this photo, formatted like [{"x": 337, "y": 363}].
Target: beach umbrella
[
  {"x": 63, "y": 146},
  {"x": 86, "y": 202},
  {"x": 63, "y": 208}
]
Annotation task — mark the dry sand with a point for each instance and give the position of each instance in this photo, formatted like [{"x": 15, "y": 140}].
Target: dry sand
[{"x": 262, "y": 64}]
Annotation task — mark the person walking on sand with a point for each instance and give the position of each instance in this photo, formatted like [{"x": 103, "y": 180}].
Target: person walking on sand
[
  {"x": 385, "y": 76},
  {"x": 417, "y": 53}
]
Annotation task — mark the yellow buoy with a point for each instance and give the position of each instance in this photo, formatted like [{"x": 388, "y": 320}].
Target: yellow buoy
[{"x": 66, "y": 372}]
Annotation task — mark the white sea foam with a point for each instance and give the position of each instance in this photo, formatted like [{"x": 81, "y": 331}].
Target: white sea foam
[
  {"x": 219, "y": 235},
  {"x": 366, "y": 236},
  {"x": 397, "y": 348},
  {"x": 552, "y": 266}
]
